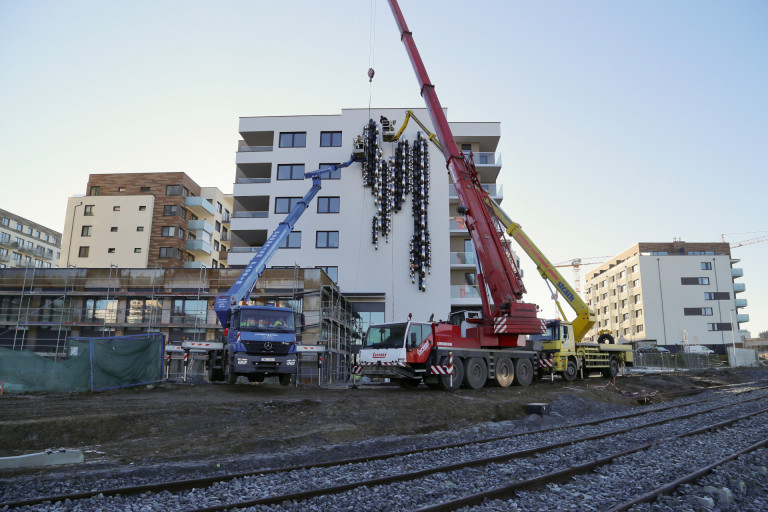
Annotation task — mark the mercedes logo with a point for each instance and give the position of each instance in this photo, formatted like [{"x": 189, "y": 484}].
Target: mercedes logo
[{"x": 268, "y": 346}]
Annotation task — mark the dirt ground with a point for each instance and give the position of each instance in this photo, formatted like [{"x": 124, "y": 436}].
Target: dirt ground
[{"x": 184, "y": 423}]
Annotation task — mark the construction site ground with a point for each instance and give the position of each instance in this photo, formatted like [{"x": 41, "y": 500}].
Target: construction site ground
[{"x": 183, "y": 423}]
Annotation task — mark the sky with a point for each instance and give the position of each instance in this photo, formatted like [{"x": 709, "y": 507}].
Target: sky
[{"x": 621, "y": 122}]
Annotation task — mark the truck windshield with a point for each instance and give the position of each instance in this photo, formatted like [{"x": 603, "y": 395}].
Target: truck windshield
[
  {"x": 266, "y": 320},
  {"x": 385, "y": 336}
]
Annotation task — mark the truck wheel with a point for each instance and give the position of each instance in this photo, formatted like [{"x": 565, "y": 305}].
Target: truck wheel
[
  {"x": 571, "y": 370},
  {"x": 458, "y": 375},
  {"x": 214, "y": 374},
  {"x": 229, "y": 376},
  {"x": 475, "y": 373},
  {"x": 605, "y": 338},
  {"x": 409, "y": 383},
  {"x": 613, "y": 368},
  {"x": 505, "y": 372},
  {"x": 523, "y": 372},
  {"x": 285, "y": 379}
]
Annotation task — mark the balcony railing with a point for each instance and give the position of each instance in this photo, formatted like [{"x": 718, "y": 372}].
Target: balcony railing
[
  {"x": 462, "y": 258},
  {"x": 250, "y": 215},
  {"x": 493, "y": 189},
  {"x": 253, "y": 180},
  {"x": 743, "y": 318},
  {"x": 198, "y": 246},
  {"x": 244, "y": 249},
  {"x": 740, "y": 303},
  {"x": 5, "y": 257},
  {"x": 225, "y": 237},
  {"x": 254, "y": 149},
  {"x": 486, "y": 158},
  {"x": 199, "y": 205},
  {"x": 739, "y": 287},
  {"x": 737, "y": 272},
  {"x": 464, "y": 291},
  {"x": 200, "y": 225},
  {"x": 457, "y": 224}
]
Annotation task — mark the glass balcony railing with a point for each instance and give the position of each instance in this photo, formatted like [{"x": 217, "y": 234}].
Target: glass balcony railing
[
  {"x": 200, "y": 225},
  {"x": 464, "y": 291},
  {"x": 739, "y": 287},
  {"x": 199, "y": 205},
  {"x": 457, "y": 224},
  {"x": 252, "y": 180},
  {"x": 740, "y": 303},
  {"x": 244, "y": 249},
  {"x": 198, "y": 246},
  {"x": 250, "y": 215},
  {"x": 737, "y": 272},
  {"x": 493, "y": 189},
  {"x": 486, "y": 158},
  {"x": 254, "y": 149},
  {"x": 743, "y": 318},
  {"x": 462, "y": 258}
]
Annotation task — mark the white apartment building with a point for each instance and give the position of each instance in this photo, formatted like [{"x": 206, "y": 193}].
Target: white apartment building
[
  {"x": 673, "y": 293},
  {"x": 336, "y": 232},
  {"x": 24, "y": 243}
]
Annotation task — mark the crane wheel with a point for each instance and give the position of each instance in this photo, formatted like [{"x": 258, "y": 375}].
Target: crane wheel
[
  {"x": 613, "y": 368},
  {"x": 605, "y": 338},
  {"x": 475, "y": 373},
  {"x": 571, "y": 370},
  {"x": 458, "y": 375},
  {"x": 229, "y": 376},
  {"x": 285, "y": 379},
  {"x": 523, "y": 372},
  {"x": 505, "y": 372}
]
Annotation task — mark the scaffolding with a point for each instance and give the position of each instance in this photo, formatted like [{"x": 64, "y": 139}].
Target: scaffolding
[{"x": 40, "y": 308}]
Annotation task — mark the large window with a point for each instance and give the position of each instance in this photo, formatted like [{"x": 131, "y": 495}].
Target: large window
[
  {"x": 332, "y": 272},
  {"x": 290, "y": 172},
  {"x": 142, "y": 311},
  {"x": 86, "y": 231},
  {"x": 174, "y": 209},
  {"x": 101, "y": 310},
  {"x": 694, "y": 280},
  {"x": 327, "y": 239},
  {"x": 328, "y": 204},
  {"x": 188, "y": 311},
  {"x": 293, "y": 139},
  {"x": 285, "y": 204},
  {"x": 83, "y": 251},
  {"x": 88, "y": 211},
  {"x": 173, "y": 231},
  {"x": 292, "y": 241},
  {"x": 697, "y": 311},
  {"x": 330, "y": 139},
  {"x": 176, "y": 190},
  {"x": 170, "y": 252},
  {"x": 333, "y": 175}
]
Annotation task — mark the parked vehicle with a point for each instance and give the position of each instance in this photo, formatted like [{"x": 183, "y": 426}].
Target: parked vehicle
[{"x": 698, "y": 349}]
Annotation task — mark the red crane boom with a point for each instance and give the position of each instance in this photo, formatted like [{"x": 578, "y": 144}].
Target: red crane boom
[{"x": 497, "y": 267}]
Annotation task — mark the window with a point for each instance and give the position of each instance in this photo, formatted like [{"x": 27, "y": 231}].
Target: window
[
  {"x": 6, "y": 221},
  {"x": 700, "y": 253},
  {"x": 333, "y": 175},
  {"x": 717, "y": 295},
  {"x": 176, "y": 190},
  {"x": 115, "y": 208},
  {"x": 215, "y": 245},
  {"x": 285, "y": 204},
  {"x": 290, "y": 172},
  {"x": 37, "y": 233},
  {"x": 137, "y": 250},
  {"x": 694, "y": 280},
  {"x": 625, "y": 317},
  {"x": 189, "y": 311},
  {"x": 330, "y": 139},
  {"x": 218, "y": 227},
  {"x": 173, "y": 209},
  {"x": 634, "y": 268},
  {"x": 94, "y": 191},
  {"x": 121, "y": 189},
  {"x": 328, "y": 205},
  {"x": 327, "y": 239},
  {"x": 639, "y": 329},
  {"x": 332, "y": 272},
  {"x": 623, "y": 303},
  {"x": 637, "y": 298},
  {"x": 218, "y": 207},
  {"x": 639, "y": 313},
  {"x": 88, "y": 211},
  {"x": 19, "y": 226},
  {"x": 172, "y": 231},
  {"x": 5, "y": 238},
  {"x": 293, "y": 139},
  {"x": 706, "y": 265},
  {"x": 113, "y": 229},
  {"x": 139, "y": 228},
  {"x": 111, "y": 250},
  {"x": 292, "y": 241},
  {"x": 16, "y": 256},
  {"x": 86, "y": 231},
  {"x": 142, "y": 208},
  {"x": 83, "y": 251},
  {"x": 46, "y": 265},
  {"x": 635, "y": 283},
  {"x": 719, "y": 327},
  {"x": 697, "y": 311},
  {"x": 144, "y": 189},
  {"x": 170, "y": 252}
]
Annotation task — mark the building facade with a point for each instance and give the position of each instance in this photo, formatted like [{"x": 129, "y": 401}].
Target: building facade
[
  {"x": 338, "y": 233},
  {"x": 24, "y": 243},
  {"x": 673, "y": 293},
  {"x": 146, "y": 220}
]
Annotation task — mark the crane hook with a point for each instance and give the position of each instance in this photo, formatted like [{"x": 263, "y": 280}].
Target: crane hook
[{"x": 371, "y": 72}]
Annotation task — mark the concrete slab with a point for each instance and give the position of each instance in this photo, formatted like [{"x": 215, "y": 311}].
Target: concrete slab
[{"x": 46, "y": 458}]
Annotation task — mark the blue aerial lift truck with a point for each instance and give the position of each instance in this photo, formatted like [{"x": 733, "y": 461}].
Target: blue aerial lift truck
[{"x": 260, "y": 341}]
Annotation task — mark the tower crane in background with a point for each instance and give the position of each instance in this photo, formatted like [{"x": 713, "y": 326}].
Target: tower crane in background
[
  {"x": 577, "y": 263},
  {"x": 748, "y": 241}
]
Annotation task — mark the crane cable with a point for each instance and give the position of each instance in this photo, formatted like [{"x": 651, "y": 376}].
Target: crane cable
[{"x": 371, "y": 53}]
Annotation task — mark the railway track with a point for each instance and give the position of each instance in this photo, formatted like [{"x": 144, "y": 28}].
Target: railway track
[{"x": 301, "y": 485}]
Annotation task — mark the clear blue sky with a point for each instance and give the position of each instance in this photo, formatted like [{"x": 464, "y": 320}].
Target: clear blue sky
[{"x": 621, "y": 121}]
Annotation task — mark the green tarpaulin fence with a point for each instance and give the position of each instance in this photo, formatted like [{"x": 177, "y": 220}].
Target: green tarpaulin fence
[{"x": 91, "y": 364}]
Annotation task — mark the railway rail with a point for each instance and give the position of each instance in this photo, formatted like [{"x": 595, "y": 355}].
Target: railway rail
[{"x": 292, "y": 485}]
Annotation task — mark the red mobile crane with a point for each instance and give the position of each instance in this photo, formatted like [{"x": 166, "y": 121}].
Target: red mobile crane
[{"x": 471, "y": 351}]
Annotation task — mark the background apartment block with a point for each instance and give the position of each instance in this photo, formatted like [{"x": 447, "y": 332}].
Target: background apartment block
[
  {"x": 336, "y": 233},
  {"x": 670, "y": 292},
  {"x": 24, "y": 243},
  {"x": 146, "y": 220}
]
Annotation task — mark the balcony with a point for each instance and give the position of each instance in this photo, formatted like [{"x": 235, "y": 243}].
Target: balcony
[
  {"x": 464, "y": 291},
  {"x": 5, "y": 257},
  {"x": 457, "y": 224},
  {"x": 463, "y": 258},
  {"x": 488, "y": 165},
  {"x": 194, "y": 264},
  {"x": 254, "y": 149},
  {"x": 225, "y": 237},
  {"x": 223, "y": 255},
  {"x": 200, "y": 225},
  {"x": 495, "y": 191},
  {"x": 250, "y": 215},
  {"x": 740, "y": 303},
  {"x": 737, "y": 272},
  {"x": 199, "y": 206},
  {"x": 739, "y": 287},
  {"x": 199, "y": 247},
  {"x": 225, "y": 219},
  {"x": 743, "y": 318}
]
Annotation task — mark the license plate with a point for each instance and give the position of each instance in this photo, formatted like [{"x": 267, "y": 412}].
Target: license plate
[{"x": 267, "y": 358}]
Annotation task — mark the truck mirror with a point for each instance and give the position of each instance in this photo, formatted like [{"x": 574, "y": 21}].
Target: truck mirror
[{"x": 414, "y": 340}]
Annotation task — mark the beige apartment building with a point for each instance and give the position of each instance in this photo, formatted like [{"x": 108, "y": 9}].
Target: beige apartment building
[
  {"x": 24, "y": 243},
  {"x": 146, "y": 220}
]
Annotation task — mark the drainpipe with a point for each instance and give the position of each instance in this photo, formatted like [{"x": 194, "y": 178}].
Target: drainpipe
[{"x": 71, "y": 230}]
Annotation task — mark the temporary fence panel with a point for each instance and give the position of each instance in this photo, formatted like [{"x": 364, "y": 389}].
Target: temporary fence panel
[{"x": 91, "y": 364}]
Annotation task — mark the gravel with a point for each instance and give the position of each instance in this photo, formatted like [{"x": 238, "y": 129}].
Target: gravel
[{"x": 668, "y": 459}]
